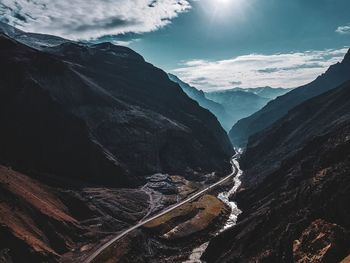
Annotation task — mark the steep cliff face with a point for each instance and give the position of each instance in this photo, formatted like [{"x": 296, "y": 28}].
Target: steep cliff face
[
  {"x": 274, "y": 110},
  {"x": 296, "y": 188},
  {"x": 102, "y": 114}
]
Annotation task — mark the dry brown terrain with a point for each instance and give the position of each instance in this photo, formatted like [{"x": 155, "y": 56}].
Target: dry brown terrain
[
  {"x": 45, "y": 223},
  {"x": 189, "y": 218}
]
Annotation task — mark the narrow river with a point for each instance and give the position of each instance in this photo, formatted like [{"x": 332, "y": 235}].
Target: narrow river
[{"x": 224, "y": 197}]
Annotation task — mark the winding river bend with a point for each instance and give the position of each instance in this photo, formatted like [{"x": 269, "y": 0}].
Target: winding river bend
[{"x": 224, "y": 197}]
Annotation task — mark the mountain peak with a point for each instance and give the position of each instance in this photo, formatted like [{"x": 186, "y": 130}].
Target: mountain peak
[
  {"x": 332, "y": 78},
  {"x": 347, "y": 57},
  {"x": 117, "y": 50}
]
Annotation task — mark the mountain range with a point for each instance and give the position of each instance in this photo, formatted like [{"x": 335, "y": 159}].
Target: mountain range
[
  {"x": 83, "y": 127},
  {"x": 201, "y": 97},
  {"x": 238, "y": 104},
  {"x": 296, "y": 187},
  {"x": 94, "y": 140},
  {"x": 265, "y": 92},
  {"x": 102, "y": 96},
  {"x": 231, "y": 105},
  {"x": 277, "y": 108}
]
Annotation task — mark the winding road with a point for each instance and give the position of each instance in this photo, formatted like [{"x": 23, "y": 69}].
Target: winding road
[{"x": 193, "y": 197}]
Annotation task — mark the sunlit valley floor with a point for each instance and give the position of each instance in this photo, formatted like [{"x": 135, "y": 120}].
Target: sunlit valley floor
[{"x": 95, "y": 140}]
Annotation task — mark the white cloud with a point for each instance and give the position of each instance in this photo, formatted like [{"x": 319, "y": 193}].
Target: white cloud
[
  {"x": 88, "y": 19},
  {"x": 125, "y": 42},
  {"x": 343, "y": 29},
  {"x": 257, "y": 70}
]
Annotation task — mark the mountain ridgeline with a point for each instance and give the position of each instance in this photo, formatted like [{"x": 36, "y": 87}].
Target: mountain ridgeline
[
  {"x": 239, "y": 104},
  {"x": 198, "y": 95},
  {"x": 34, "y": 40},
  {"x": 229, "y": 106},
  {"x": 101, "y": 114},
  {"x": 265, "y": 92},
  {"x": 296, "y": 186},
  {"x": 94, "y": 140},
  {"x": 332, "y": 78},
  {"x": 83, "y": 127}
]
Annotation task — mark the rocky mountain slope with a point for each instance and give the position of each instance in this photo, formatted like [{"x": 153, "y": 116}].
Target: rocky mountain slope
[
  {"x": 277, "y": 108},
  {"x": 102, "y": 114},
  {"x": 296, "y": 188},
  {"x": 41, "y": 222},
  {"x": 198, "y": 95},
  {"x": 79, "y": 124}
]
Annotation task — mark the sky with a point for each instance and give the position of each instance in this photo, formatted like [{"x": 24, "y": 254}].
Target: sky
[{"x": 211, "y": 44}]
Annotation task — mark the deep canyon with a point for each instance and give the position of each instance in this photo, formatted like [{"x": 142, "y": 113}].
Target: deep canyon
[{"x": 95, "y": 141}]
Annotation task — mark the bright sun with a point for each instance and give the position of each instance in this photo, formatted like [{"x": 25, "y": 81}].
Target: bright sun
[
  {"x": 228, "y": 2},
  {"x": 220, "y": 9}
]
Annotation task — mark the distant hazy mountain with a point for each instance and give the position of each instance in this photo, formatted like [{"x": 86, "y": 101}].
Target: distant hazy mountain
[
  {"x": 229, "y": 106},
  {"x": 198, "y": 95},
  {"x": 334, "y": 76},
  {"x": 238, "y": 104},
  {"x": 266, "y": 92},
  {"x": 34, "y": 40}
]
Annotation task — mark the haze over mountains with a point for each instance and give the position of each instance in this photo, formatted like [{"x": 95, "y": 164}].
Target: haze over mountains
[
  {"x": 200, "y": 96},
  {"x": 229, "y": 106},
  {"x": 238, "y": 104},
  {"x": 265, "y": 92}
]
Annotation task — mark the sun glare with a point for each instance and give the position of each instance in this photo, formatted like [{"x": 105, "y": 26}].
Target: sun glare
[
  {"x": 226, "y": 3},
  {"x": 223, "y": 8}
]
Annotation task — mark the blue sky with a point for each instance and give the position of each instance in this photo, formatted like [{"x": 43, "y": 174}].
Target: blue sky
[
  {"x": 212, "y": 44},
  {"x": 247, "y": 26},
  {"x": 215, "y": 32}
]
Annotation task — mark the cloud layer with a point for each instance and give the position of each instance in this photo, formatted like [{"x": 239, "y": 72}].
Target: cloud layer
[
  {"x": 343, "y": 29},
  {"x": 89, "y": 19},
  {"x": 256, "y": 70}
]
